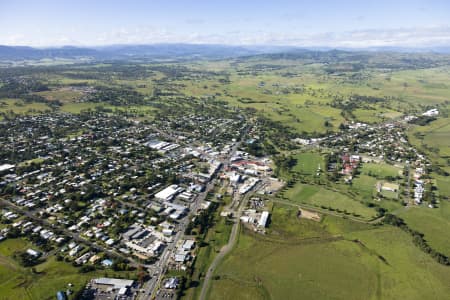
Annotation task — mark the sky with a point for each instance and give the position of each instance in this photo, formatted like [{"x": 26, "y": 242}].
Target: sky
[{"x": 351, "y": 23}]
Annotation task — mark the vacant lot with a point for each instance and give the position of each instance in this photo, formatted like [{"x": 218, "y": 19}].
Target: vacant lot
[{"x": 322, "y": 197}]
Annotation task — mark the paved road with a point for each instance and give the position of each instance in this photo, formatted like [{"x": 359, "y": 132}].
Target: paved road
[{"x": 152, "y": 286}]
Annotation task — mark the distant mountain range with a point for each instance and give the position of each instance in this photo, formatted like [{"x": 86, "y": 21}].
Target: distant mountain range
[
  {"x": 156, "y": 51},
  {"x": 169, "y": 51}
]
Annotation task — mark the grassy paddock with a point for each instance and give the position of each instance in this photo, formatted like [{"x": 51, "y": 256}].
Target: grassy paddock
[
  {"x": 381, "y": 260},
  {"x": 319, "y": 196}
]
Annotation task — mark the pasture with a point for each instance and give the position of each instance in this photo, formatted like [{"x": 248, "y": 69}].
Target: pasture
[
  {"x": 322, "y": 197},
  {"x": 333, "y": 259},
  {"x": 434, "y": 223}
]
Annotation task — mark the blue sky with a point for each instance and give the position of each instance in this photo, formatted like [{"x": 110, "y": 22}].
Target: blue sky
[{"x": 301, "y": 23}]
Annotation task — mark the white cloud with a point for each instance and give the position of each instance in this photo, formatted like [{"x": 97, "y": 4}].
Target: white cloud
[{"x": 407, "y": 37}]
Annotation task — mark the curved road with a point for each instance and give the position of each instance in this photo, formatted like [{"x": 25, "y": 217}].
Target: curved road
[
  {"x": 224, "y": 251},
  {"x": 235, "y": 230},
  {"x": 326, "y": 212}
]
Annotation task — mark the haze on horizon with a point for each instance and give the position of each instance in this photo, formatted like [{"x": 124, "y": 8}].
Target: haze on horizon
[{"x": 351, "y": 23}]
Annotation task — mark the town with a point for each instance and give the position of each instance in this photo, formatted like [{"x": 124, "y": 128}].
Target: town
[{"x": 103, "y": 192}]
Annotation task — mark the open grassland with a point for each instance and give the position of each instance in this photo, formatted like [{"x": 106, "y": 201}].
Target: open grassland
[
  {"x": 380, "y": 170},
  {"x": 424, "y": 86},
  {"x": 76, "y": 108},
  {"x": 19, "y": 283},
  {"x": 301, "y": 100},
  {"x": 434, "y": 223},
  {"x": 434, "y": 135},
  {"x": 19, "y": 107},
  {"x": 308, "y": 163},
  {"x": 286, "y": 226},
  {"x": 360, "y": 261},
  {"x": 265, "y": 270},
  {"x": 443, "y": 184},
  {"x": 322, "y": 197},
  {"x": 375, "y": 115},
  {"x": 61, "y": 95},
  {"x": 365, "y": 186}
]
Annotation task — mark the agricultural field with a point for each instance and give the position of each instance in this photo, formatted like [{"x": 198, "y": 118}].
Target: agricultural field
[{"x": 382, "y": 260}]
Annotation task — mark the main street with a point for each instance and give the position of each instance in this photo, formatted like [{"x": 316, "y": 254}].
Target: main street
[{"x": 157, "y": 270}]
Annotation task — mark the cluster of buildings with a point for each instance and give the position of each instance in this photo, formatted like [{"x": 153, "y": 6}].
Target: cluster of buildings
[
  {"x": 111, "y": 288},
  {"x": 256, "y": 219},
  {"x": 349, "y": 163},
  {"x": 183, "y": 254},
  {"x": 419, "y": 188},
  {"x": 100, "y": 187},
  {"x": 383, "y": 142}
]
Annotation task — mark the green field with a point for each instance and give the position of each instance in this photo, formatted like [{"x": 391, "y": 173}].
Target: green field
[
  {"x": 433, "y": 138},
  {"x": 384, "y": 264},
  {"x": 365, "y": 186},
  {"x": 61, "y": 95},
  {"x": 319, "y": 196},
  {"x": 434, "y": 223},
  {"x": 380, "y": 170},
  {"x": 19, "y": 107},
  {"x": 308, "y": 163}
]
